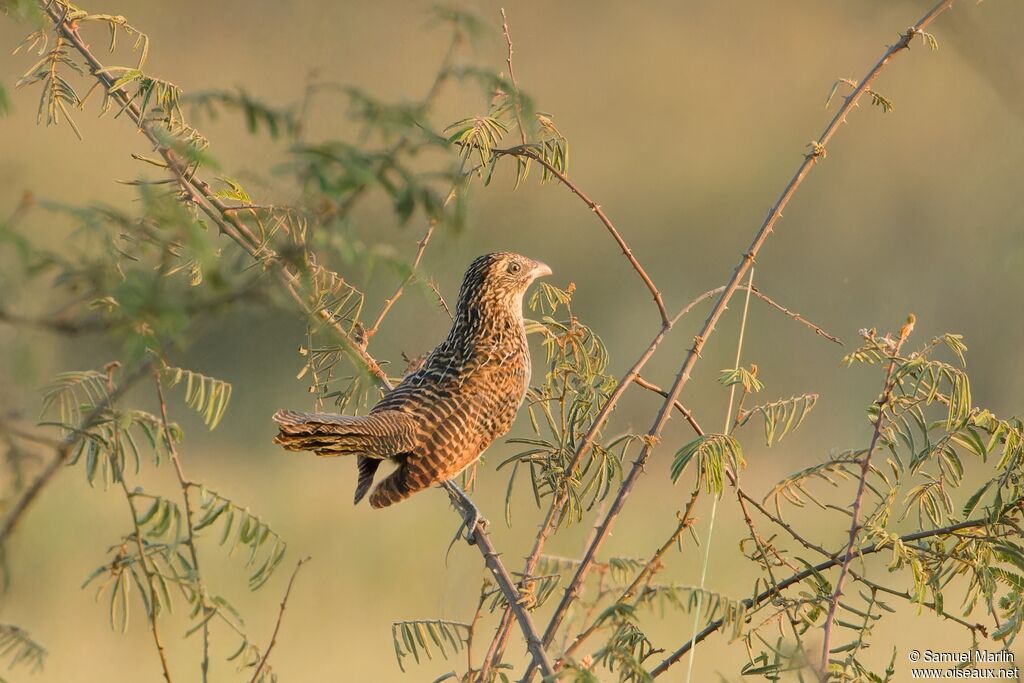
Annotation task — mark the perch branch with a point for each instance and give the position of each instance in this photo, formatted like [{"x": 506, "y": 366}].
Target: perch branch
[{"x": 229, "y": 222}]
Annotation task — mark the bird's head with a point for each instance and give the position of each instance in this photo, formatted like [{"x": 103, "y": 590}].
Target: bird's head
[{"x": 499, "y": 280}]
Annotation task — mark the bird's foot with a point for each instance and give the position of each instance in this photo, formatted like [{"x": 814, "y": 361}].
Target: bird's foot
[{"x": 471, "y": 517}]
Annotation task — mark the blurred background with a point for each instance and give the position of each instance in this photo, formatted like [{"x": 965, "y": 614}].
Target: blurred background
[{"x": 685, "y": 121}]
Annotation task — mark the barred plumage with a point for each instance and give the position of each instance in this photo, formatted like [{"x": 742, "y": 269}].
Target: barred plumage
[{"x": 441, "y": 417}]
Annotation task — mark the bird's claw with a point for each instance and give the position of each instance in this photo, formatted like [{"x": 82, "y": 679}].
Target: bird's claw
[{"x": 471, "y": 517}]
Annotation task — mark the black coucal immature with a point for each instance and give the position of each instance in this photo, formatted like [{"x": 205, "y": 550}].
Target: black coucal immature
[{"x": 442, "y": 417}]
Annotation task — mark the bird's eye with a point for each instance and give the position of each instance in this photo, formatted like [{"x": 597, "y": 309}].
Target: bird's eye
[{"x": 515, "y": 267}]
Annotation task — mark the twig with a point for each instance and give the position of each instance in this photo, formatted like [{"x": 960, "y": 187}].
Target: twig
[
  {"x": 277, "y": 626},
  {"x": 229, "y": 222},
  {"x": 825, "y": 565},
  {"x": 525, "y": 151},
  {"x": 147, "y": 570},
  {"x": 440, "y": 299},
  {"x": 472, "y": 632},
  {"x": 686, "y": 520},
  {"x": 795, "y": 316},
  {"x": 512, "y": 76},
  {"x": 680, "y": 408},
  {"x": 858, "y": 500},
  {"x": 421, "y": 246},
  {"x": 809, "y": 162},
  {"x": 66, "y": 448},
  {"x": 150, "y": 583},
  {"x": 190, "y": 541},
  {"x": 553, "y": 514}
]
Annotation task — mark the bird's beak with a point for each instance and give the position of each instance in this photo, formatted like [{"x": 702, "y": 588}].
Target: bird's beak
[{"x": 540, "y": 269}]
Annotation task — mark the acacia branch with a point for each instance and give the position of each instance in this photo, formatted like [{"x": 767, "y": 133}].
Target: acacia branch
[
  {"x": 858, "y": 500},
  {"x": 819, "y": 149},
  {"x": 67, "y": 446},
  {"x": 190, "y": 539},
  {"x": 527, "y": 152},
  {"x": 277, "y": 625},
  {"x": 229, "y": 222},
  {"x": 825, "y": 565},
  {"x": 554, "y": 513}
]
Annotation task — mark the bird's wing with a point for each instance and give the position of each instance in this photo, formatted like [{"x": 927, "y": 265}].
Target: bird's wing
[{"x": 381, "y": 434}]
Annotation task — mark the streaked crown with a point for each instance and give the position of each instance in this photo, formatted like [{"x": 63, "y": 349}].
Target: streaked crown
[{"x": 499, "y": 278}]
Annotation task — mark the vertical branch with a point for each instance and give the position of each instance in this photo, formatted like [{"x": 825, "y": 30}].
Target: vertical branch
[
  {"x": 117, "y": 464},
  {"x": 513, "y": 597},
  {"x": 512, "y": 77},
  {"x": 277, "y": 625},
  {"x": 862, "y": 484},
  {"x": 746, "y": 262},
  {"x": 186, "y": 485},
  {"x": 154, "y": 599}
]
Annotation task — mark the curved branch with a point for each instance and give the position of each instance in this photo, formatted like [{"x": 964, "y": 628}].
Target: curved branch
[
  {"x": 229, "y": 222},
  {"x": 819, "y": 148}
]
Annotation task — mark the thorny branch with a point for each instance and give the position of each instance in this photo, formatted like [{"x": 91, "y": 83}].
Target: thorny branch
[
  {"x": 858, "y": 500},
  {"x": 768, "y": 593},
  {"x": 277, "y": 625},
  {"x": 231, "y": 224},
  {"x": 190, "y": 539},
  {"x": 553, "y": 515},
  {"x": 528, "y": 152},
  {"x": 744, "y": 265}
]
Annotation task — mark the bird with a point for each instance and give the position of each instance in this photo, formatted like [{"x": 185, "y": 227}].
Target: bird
[{"x": 442, "y": 416}]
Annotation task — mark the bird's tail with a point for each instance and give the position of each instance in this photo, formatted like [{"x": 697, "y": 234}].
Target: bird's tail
[
  {"x": 378, "y": 435},
  {"x": 373, "y": 437}
]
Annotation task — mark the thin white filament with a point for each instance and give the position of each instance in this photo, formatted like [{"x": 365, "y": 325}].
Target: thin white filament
[{"x": 714, "y": 503}]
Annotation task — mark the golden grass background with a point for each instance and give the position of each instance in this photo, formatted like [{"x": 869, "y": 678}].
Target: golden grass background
[{"x": 685, "y": 120}]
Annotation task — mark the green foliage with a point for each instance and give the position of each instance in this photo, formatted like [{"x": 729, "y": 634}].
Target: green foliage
[
  {"x": 782, "y": 417},
  {"x": 425, "y": 637},
  {"x": 713, "y": 452},
  {"x": 575, "y": 388},
  {"x": 242, "y": 528},
  {"x": 479, "y": 135},
  {"x": 207, "y": 396},
  {"x": 109, "y": 440},
  {"x": 20, "y": 650},
  {"x": 58, "y": 95},
  {"x": 5, "y": 101},
  {"x": 877, "y": 99},
  {"x": 747, "y": 378},
  {"x": 258, "y": 116}
]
